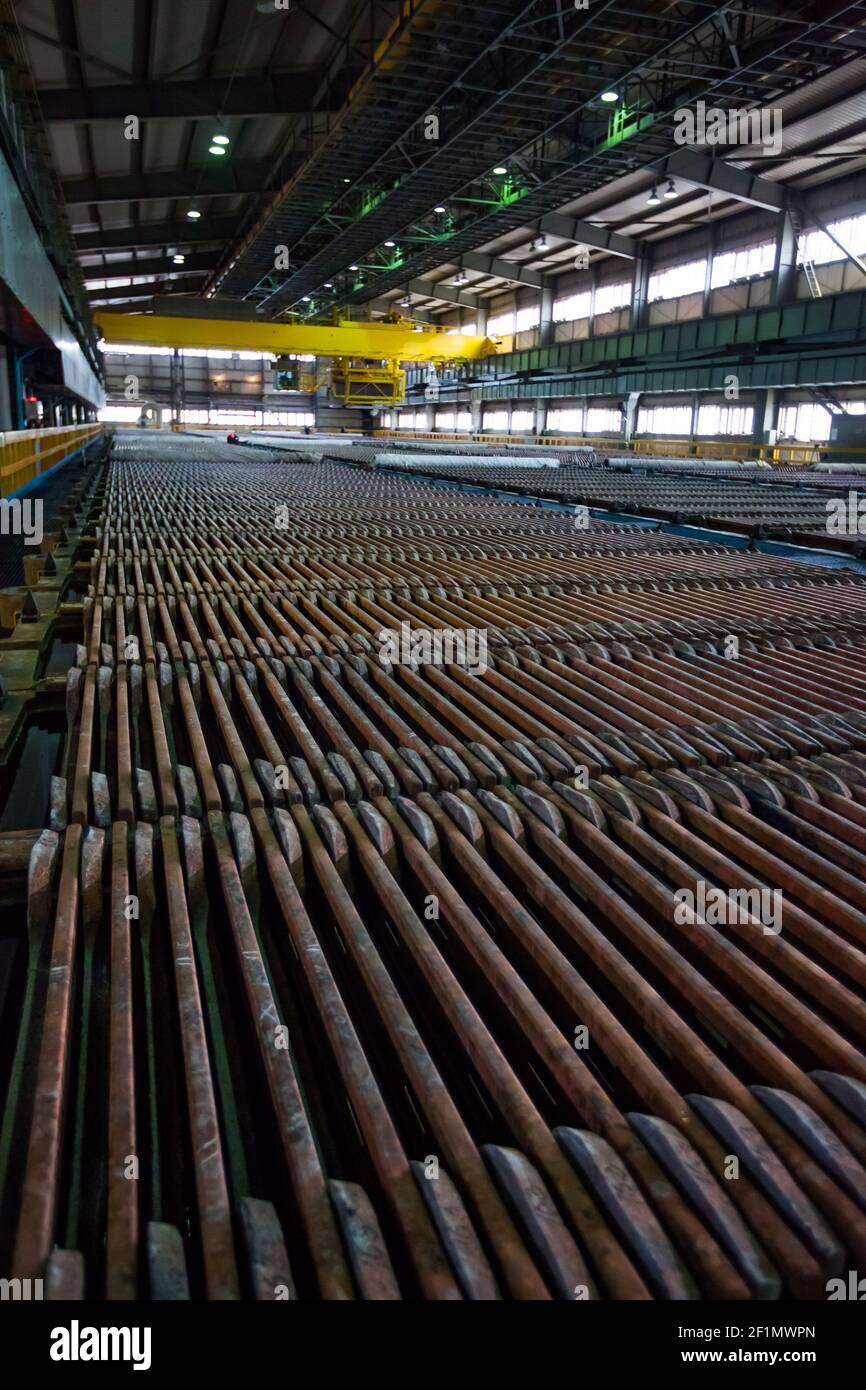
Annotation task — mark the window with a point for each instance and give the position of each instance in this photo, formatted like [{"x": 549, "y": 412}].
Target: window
[
  {"x": 743, "y": 264},
  {"x": 132, "y": 350},
  {"x": 527, "y": 318},
  {"x": 496, "y": 420},
  {"x": 573, "y": 306},
  {"x": 501, "y": 324},
  {"x": 678, "y": 280},
  {"x": 454, "y": 420},
  {"x": 289, "y": 419},
  {"x": 235, "y": 417},
  {"x": 808, "y": 422},
  {"x": 817, "y": 247},
  {"x": 566, "y": 421},
  {"x": 120, "y": 414},
  {"x": 226, "y": 354},
  {"x": 522, "y": 421},
  {"x": 725, "y": 419},
  {"x": 603, "y": 420},
  {"x": 664, "y": 419},
  {"x": 120, "y": 282},
  {"x": 608, "y": 297}
]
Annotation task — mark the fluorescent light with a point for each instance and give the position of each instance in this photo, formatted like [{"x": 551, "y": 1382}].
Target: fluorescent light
[
  {"x": 610, "y": 96},
  {"x": 178, "y": 260},
  {"x": 194, "y": 214}
]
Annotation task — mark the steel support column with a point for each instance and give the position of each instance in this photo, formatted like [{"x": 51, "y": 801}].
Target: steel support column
[
  {"x": 784, "y": 289},
  {"x": 545, "y": 323},
  {"x": 640, "y": 292},
  {"x": 766, "y": 416}
]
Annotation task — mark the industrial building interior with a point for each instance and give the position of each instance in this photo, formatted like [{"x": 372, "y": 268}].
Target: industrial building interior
[{"x": 433, "y": 651}]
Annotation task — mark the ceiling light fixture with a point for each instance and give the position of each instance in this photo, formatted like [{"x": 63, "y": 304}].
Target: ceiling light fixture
[
  {"x": 390, "y": 243},
  {"x": 540, "y": 243},
  {"x": 220, "y": 140},
  {"x": 217, "y": 149},
  {"x": 439, "y": 209},
  {"x": 671, "y": 190},
  {"x": 178, "y": 260},
  {"x": 354, "y": 267},
  {"x": 194, "y": 214},
  {"x": 654, "y": 196},
  {"x": 610, "y": 96},
  {"x": 500, "y": 169}
]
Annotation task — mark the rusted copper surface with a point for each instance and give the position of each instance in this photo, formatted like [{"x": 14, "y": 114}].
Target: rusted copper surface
[{"x": 357, "y": 970}]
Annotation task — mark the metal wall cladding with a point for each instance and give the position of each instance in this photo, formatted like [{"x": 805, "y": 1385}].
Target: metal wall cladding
[
  {"x": 839, "y": 315},
  {"x": 401, "y": 977},
  {"x": 27, "y": 271}
]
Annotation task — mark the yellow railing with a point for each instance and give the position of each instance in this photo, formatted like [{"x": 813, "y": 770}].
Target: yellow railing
[{"x": 25, "y": 454}]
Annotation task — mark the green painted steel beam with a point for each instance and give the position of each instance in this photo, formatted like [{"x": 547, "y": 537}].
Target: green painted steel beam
[{"x": 841, "y": 317}]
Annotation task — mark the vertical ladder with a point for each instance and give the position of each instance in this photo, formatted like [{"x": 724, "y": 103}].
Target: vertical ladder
[{"x": 808, "y": 267}]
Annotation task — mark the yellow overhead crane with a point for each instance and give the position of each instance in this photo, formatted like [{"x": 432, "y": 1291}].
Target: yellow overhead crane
[{"x": 369, "y": 356}]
